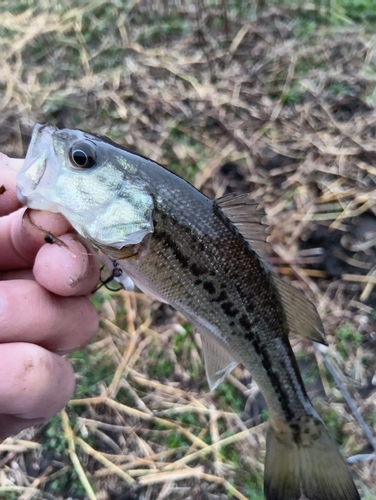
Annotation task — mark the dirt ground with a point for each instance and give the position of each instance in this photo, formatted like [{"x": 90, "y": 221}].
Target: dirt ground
[{"x": 279, "y": 102}]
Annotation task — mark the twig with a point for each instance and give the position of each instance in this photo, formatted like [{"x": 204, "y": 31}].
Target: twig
[
  {"x": 99, "y": 456},
  {"x": 360, "y": 278},
  {"x": 366, "y": 457},
  {"x": 367, "y": 431},
  {"x": 74, "y": 458},
  {"x": 369, "y": 286},
  {"x": 216, "y": 446}
]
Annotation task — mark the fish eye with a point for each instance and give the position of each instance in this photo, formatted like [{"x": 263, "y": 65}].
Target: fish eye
[{"x": 82, "y": 156}]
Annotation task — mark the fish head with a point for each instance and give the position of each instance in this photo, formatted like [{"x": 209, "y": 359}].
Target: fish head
[{"x": 98, "y": 187}]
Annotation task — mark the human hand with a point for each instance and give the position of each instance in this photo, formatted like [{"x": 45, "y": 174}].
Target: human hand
[{"x": 44, "y": 308}]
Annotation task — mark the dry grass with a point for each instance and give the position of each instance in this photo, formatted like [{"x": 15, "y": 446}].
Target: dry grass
[{"x": 232, "y": 99}]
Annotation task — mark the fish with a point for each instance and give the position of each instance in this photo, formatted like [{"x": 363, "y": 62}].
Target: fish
[{"x": 208, "y": 259}]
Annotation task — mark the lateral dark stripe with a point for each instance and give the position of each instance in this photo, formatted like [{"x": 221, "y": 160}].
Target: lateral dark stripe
[
  {"x": 229, "y": 309},
  {"x": 172, "y": 245},
  {"x": 196, "y": 270},
  {"x": 244, "y": 318},
  {"x": 209, "y": 287},
  {"x": 282, "y": 396}
]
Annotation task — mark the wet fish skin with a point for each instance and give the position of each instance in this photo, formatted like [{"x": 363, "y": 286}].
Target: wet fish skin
[
  {"x": 187, "y": 263},
  {"x": 188, "y": 253}
]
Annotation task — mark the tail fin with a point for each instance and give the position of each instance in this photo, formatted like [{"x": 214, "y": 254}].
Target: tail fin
[{"x": 305, "y": 462}]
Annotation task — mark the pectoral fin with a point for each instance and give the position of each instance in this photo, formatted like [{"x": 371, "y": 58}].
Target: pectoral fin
[{"x": 218, "y": 362}]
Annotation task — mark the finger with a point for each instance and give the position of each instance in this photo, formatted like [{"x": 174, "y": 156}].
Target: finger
[
  {"x": 21, "y": 236},
  {"x": 67, "y": 270},
  {"x": 60, "y": 324},
  {"x": 9, "y": 168},
  {"x": 18, "y": 274},
  {"x": 34, "y": 383},
  {"x": 11, "y": 425}
]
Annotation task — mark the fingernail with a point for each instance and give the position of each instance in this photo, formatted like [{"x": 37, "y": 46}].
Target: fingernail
[{"x": 1, "y": 304}]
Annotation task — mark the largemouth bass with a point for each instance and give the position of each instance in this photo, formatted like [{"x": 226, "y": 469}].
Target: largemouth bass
[{"x": 206, "y": 258}]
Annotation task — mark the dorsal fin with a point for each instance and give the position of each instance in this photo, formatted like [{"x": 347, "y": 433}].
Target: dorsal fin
[
  {"x": 302, "y": 316},
  {"x": 246, "y": 216}
]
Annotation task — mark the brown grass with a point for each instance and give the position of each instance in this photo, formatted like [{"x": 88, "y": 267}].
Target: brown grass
[{"x": 288, "y": 105}]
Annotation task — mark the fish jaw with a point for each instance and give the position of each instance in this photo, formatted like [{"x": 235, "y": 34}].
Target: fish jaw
[{"x": 35, "y": 181}]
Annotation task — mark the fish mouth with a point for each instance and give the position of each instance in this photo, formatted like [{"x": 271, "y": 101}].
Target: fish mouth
[
  {"x": 20, "y": 197},
  {"x": 35, "y": 164}
]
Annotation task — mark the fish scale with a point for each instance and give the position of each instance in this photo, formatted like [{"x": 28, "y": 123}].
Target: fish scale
[
  {"x": 184, "y": 282},
  {"x": 205, "y": 258}
]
